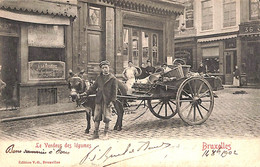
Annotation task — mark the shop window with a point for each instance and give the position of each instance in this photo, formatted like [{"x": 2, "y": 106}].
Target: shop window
[
  {"x": 46, "y": 54},
  {"x": 184, "y": 54},
  {"x": 46, "y": 43},
  {"x": 229, "y": 11},
  {"x": 145, "y": 46},
  {"x": 210, "y": 58},
  {"x": 155, "y": 49},
  {"x": 254, "y": 9},
  {"x": 135, "y": 45},
  {"x": 125, "y": 47},
  {"x": 207, "y": 15}
]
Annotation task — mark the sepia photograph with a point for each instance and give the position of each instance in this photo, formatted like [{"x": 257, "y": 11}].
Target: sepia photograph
[{"x": 129, "y": 83}]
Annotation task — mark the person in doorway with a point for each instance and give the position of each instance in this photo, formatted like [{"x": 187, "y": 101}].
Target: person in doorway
[
  {"x": 202, "y": 69},
  {"x": 143, "y": 72},
  {"x": 129, "y": 75},
  {"x": 149, "y": 69},
  {"x": 236, "y": 78},
  {"x": 106, "y": 88}
]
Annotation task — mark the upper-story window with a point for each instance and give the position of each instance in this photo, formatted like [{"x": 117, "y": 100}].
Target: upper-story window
[
  {"x": 229, "y": 11},
  {"x": 254, "y": 9},
  {"x": 189, "y": 15},
  {"x": 207, "y": 15}
]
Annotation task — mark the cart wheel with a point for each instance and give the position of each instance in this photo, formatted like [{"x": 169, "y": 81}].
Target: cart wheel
[
  {"x": 164, "y": 108},
  {"x": 195, "y": 100}
]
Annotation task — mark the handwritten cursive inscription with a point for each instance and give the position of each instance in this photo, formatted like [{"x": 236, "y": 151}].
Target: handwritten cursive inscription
[{"x": 102, "y": 155}]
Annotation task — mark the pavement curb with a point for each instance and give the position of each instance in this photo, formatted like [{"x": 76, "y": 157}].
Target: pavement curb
[{"x": 42, "y": 115}]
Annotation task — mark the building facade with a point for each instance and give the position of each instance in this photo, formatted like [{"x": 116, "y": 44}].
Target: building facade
[
  {"x": 123, "y": 30},
  {"x": 36, "y": 50},
  {"x": 215, "y": 32},
  {"x": 249, "y": 34}
]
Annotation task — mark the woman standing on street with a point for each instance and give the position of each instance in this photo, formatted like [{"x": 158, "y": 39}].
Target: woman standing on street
[{"x": 236, "y": 79}]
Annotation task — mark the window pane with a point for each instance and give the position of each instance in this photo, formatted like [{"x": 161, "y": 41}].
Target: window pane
[
  {"x": 125, "y": 47},
  {"x": 155, "y": 49},
  {"x": 135, "y": 45},
  {"x": 229, "y": 13},
  {"x": 207, "y": 15},
  {"x": 254, "y": 9},
  {"x": 211, "y": 59},
  {"x": 145, "y": 46}
]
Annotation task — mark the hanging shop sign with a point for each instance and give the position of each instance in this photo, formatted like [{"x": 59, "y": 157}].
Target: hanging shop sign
[
  {"x": 46, "y": 70},
  {"x": 249, "y": 28},
  {"x": 48, "y": 36}
]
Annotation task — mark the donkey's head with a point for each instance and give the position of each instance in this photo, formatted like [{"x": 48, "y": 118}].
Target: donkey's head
[{"x": 77, "y": 86}]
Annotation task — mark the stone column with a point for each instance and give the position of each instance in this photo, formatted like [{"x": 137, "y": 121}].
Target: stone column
[
  {"x": 169, "y": 37},
  {"x": 24, "y": 53},
  {"x": 110, "y": 38},
  {"x": 118, "y": 41}
]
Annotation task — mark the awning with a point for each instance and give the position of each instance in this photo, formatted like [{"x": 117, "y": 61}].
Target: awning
[
  {"x": 150, "y": 6},
  {"x": 61, "y": 8},
  {"x": 250, "y": 35},
  {"x": 217, "y": 38},
  {"x": 39, "y": 19}
]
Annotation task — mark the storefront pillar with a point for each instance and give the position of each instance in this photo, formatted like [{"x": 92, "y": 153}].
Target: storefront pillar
[
  {"x": 118, "y": 40},
  {"x": 169, "y": 38},
  {"x": 110, "y": 38},
  {"x": 24, "y": 54}
]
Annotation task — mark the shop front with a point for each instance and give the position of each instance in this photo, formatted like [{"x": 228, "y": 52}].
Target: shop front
[
  {"x": 124, "y": 30},
  {"x": 186, "y": 49},
  {"x": 249, "y": 33},
  {"x": 219, "y": 55},
  {"x": 35, "y": 52}
]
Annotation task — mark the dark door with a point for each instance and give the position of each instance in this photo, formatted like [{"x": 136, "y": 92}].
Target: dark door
[
  {"x": 8, "y": 73},
  {"x": 229, "y": 66}
]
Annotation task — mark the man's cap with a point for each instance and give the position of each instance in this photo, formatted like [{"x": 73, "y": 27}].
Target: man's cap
[
  {"x": 70, "y": 70},
  {"x": 130, "y": 61},
  {"x": 105, "y": 62},
  {"x": 148, "y": 61}
]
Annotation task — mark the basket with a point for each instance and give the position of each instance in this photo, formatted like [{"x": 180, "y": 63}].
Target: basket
[
  {"x": 180, "y": 71},
  {"x": 140, "y": 87}
]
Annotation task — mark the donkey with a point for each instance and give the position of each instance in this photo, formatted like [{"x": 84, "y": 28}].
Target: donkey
[{"x": 77, "y": 86}]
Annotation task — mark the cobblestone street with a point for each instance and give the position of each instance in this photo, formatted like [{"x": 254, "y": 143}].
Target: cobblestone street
[{"x": 233, "y": 116}]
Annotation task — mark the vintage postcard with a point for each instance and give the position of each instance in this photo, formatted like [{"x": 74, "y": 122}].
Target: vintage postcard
[{"x": 133, "y": 83}]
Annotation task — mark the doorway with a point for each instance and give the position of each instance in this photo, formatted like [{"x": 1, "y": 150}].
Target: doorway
[
  {"x": 229, "y": 66},
  {"x": 253, "y": 62},
  {"x": 140, "y": 45},
  {"x": 9, "y": 73}
]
